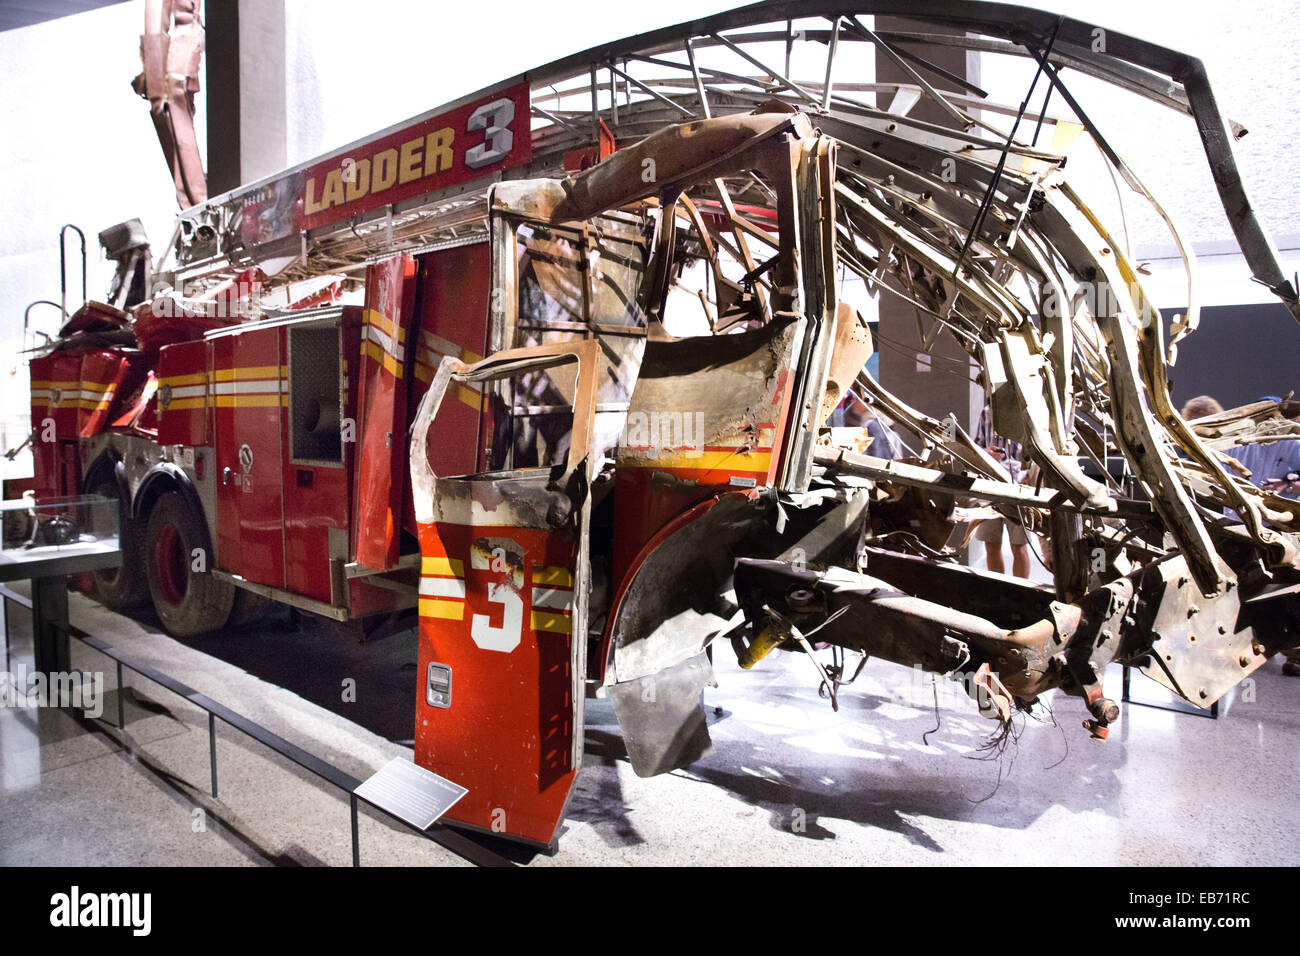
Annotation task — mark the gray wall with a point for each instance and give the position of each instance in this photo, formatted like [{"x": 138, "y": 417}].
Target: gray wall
[{"x": 1238, "y": 354}]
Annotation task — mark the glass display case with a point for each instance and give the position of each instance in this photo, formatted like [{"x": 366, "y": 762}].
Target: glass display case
[{"x": 42, "y": 536}]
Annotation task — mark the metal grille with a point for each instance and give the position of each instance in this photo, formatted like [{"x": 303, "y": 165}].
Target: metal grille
[{"x": 314, "y": 395}]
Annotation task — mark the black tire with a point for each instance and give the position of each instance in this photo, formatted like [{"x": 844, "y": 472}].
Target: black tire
[
  {"x": 188, "y": 602},
  {"x": 120, "y": 589}
]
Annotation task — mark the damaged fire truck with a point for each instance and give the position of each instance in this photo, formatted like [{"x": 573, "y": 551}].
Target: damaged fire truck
[{"x": 577, "y": 416}]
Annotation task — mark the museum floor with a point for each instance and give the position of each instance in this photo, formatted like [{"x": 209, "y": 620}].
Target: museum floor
[{"x": 790, "y": 782}]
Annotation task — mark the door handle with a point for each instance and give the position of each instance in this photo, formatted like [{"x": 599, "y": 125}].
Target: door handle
[{"x": 225, "y": 476}]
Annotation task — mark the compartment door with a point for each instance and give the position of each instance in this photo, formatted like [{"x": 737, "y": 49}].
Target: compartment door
[
  {"x": 248, "y": 394},
  {"x": 503, "y": 609}
]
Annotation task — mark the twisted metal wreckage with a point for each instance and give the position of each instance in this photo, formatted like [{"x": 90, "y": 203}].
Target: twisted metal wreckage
[{"x": 666, "y": 342}]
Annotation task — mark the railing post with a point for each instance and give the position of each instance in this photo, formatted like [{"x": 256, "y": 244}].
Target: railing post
[
  {"x": 356, "y": 849},
  {"x": 212, "y": 749}
]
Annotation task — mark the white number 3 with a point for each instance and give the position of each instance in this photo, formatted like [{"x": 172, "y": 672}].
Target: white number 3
[
  {"x": 506, "y": 637},
  {"x": 494, "y": 119}
]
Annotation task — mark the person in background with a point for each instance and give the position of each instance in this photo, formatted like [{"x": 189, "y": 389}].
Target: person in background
[
  {"x": 859, "y": 414},
  {"x": 1274, "y": 467},
  {"x": 1202, "y": 406},
  {"x": 989, "y": 532}
]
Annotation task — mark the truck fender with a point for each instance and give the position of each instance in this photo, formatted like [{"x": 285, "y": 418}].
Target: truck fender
[
  {"x": 106, "y": 465},
  {"x": 655, "y": 647},
  {"x": 162, "y": 477}
]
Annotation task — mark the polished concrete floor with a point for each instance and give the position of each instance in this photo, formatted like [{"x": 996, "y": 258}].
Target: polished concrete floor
[{"x": 790, "y": 781}]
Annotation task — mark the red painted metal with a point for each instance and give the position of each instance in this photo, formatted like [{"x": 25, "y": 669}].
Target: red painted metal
[
  {"x": 508, "y": 734},
  {"x": 444, "y": 150},
  {"x": 315, "y": 500},
  {"x": 172, "y": 564},
  {"x": 248, "y": 394},
  {"x": 153, "y": 331},
  {"x": 644, "y": 504},
  {"x": 183, "y": 401},
  {"x": 381, "y": 470},
  {"x": 138, "y": 411},
  {"x": 576, "y": 160},
  {"x": 453, "y": 321}
]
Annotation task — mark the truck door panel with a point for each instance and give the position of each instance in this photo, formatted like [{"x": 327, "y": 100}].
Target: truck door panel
[
  {"x": 503, "y": 612},
  {"x": 708, "y": 415},
  {"x": 381, "y": 427},
  {"x": 453, "y": 321},
  {"x": 248, "y": 397},
  {"x": 315, "y": 476}
]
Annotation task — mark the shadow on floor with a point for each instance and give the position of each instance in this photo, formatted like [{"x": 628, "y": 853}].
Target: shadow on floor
[{"x": 371, "y": 683}]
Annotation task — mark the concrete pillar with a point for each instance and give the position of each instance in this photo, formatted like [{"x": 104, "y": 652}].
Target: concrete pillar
[
  {"x": 937, "y": 383},
  {"x": 263, "y": 128}
]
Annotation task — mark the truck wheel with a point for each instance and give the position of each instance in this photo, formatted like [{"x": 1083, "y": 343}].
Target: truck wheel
[
  {"x": 188, "y": 602},
  {"x": 119, "y": 589}
]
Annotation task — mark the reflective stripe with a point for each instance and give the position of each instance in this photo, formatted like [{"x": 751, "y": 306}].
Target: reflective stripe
[
  {"x": 198, "y": 378},
  {"x": 383, "y": 323},
  {"x": 385, "y": 341},
  {"x": 250, "y": 372},
  {"x": 443, "y": 587},
  {"x": 250, "y": 401},
  {"x": 551, "y": 598},
  {"x": 557, "y": 623},
  {"x": 248, "y": 387},
  {"x": 83, "y": 398},
  {"x": 441, "y": 346},
  {"x": 390, "y": 364},
  {"x": 737, "y": 461},
  {"x": 185, "y": 404},
  {"x": 554, "y": 576},
  {"x": 431, "y": 361},
  {"x": 84, "y": 394},
  {"x": 443, "y": 566},
  {"x": 448, "y": 610}
]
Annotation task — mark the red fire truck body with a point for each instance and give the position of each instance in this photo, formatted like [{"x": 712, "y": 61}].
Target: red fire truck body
[
  {"x": 285, "y": 438},
  {"x": 272, "y": 457}
]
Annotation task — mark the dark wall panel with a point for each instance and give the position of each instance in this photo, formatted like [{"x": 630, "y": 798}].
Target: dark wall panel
[
  {"x": 1237, "y": 354},
  {"x": 221, "y": 61}
]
